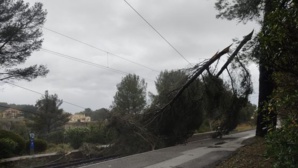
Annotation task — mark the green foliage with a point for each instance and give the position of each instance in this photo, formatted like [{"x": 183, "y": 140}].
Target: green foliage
[
  {"x": 282, "y": 144},
  {"x": 7, "y": 147},
  {"x": 20, "y": 128},
  {"x": 20, "y": 142},
  {"x": 131, "y": 95},
  {"x": 59, "y": 148},
  {"x": 279, "y": 39},
  {"x": 97, "y": 115},
  {"x": 3, "y": 106},
  {"x": 27, "y": 110},
  {"x": 177, "y": 123},
  {"x": 12, "y": 144},
  {"x": 97, "y": 134},
  {"x": 217, "y": 97},
  {"x": 16, "y": 126},
  {"x": 56, "y": 137},
  {"x": 90, "y": 150},
  {"x": 76, "y": 136},
  {"x": 39, "y": 146},
  {"x": 49, "y": 117},
  {"x": 246, "y": 113},
  {"x": 20, "y": 35},
  {"x": 222, "y": 105},
  {"x": 130, "y": 136},
  {"x": 239, "y": 9}
]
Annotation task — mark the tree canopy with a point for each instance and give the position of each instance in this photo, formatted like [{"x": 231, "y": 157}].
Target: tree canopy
[
  {"x": 20, "y": 35},
  {"x": 275, "y": 47},
  {"x": 131, "y": 95},
  {"x": 48, "y": 117},
  {"x": 97, "y": 115},
  {"x": 182, "y": 118}
]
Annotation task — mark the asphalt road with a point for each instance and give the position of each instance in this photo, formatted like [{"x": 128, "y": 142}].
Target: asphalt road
[{"x": 197, "y": 154}]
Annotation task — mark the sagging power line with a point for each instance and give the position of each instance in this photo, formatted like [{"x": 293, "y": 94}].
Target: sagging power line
[
  {"x": 102, "y": 50},
  {"x": 167, "y": 41},
  {"x": 87, "y": 62},
  {"x": 36, "y": 92}
]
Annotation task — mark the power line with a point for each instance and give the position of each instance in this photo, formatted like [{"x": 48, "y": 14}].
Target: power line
[
  {"x": 83, "y": 61},
  {"x": 157, "y": 31},
  {"x": 87, "y": 62},
  {"x": 33, "y": 91},
  {"x": 102, "y": 50}
]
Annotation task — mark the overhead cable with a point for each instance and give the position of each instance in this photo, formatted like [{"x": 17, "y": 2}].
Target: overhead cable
[
  {"x": 87, "y": 62},
  {"x": 157, "y": 32},
  {"x": 33, "y": 91},
  {"x": 102, "y": 50}
]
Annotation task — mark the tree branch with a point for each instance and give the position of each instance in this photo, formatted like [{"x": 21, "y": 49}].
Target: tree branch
[
  {"x": 244, "y": 41},
  {"x": 198, "y": 73},
  {"x": 232, "y": 80}
]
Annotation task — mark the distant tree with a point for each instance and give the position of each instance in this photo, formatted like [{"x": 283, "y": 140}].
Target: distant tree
[
  {"x": 131, "y": 95},
  {"x": 97, "y": 115},
  {"x": 3, "y": 106},
  {"x": 100, "y": 114},
  {"x": 49, "y": 117},
  {"x": 27, "y": 110},
  {"x": 20, "y": 35},
  {"x": 247, "y": 112}
]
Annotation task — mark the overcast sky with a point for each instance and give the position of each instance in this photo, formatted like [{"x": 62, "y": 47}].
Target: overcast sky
[{"x": 133, "y": 47}]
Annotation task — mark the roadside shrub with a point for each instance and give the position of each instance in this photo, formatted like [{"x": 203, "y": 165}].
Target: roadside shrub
[
  {"x": 90, "y": 150},
  {"x": 56, "y": 137},
  {"x": 97, "y": 134},
  {"x": 76, "y": 136},
  {"x": 282, "y": 145},
  {"x": 39, "y": 146},
  {"x": 7, "y": 147},
  {"x": 19, "y": 148},
  {"x": 59, "y": 148}
]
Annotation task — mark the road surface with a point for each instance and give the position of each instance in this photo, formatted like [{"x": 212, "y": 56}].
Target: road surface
[{"x": 203, "y": 153}]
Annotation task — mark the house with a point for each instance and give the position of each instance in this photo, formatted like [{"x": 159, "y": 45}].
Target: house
[
  {"x": 12, "y": 114},
  {"x": 79, "y": 118}
]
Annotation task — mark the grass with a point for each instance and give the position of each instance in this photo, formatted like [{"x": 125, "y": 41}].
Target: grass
[
  {"x": 59, "y": 148},
  {"x": 252, "y": 155},
  {"x": 244, "y": 127}
]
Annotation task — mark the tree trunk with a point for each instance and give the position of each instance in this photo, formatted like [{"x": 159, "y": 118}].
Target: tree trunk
[{"x": 265, "y": 119}]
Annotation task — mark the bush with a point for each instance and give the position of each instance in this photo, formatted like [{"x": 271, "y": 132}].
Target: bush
[
  {"x": 56, "y": 137},
  {"x": 97, "y": 134},
  {"x": 76, "y": 136},
  {"x": 7, "y": 147},
  {"x": 90, "y": 150},
  {"x": 282, "y": 144},
  {"x": 59, "y": 148},
  {"x": 39, "y": 146},
  {"x": 19, "y": 148}
]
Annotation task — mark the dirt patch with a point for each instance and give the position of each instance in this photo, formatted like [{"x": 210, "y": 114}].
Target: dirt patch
[{"x": 250, "y": 155}]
